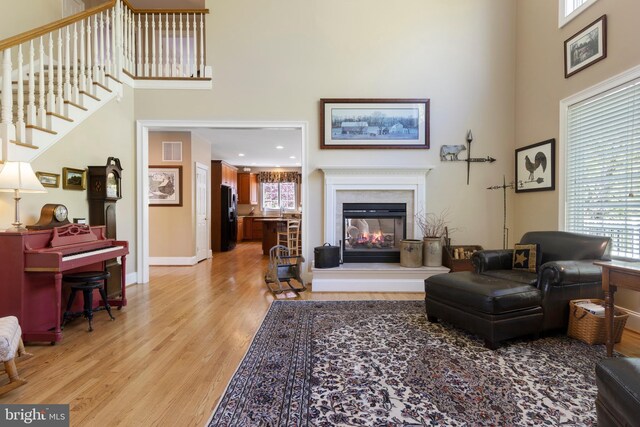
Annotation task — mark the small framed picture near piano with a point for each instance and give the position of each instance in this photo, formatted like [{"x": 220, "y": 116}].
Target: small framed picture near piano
[
  {"x": 74, "y": 179},
  {"x": 165, "y": 186}
]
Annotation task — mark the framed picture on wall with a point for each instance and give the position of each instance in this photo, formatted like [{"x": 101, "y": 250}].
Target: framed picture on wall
[
  {"x": 535, "y": 167},
  {"x": 74, "y": 179},
  {"x": 51, "y": 180},
  {"x": 374, "y": 123},
  {"x": 165, "y": 186},
  {"x": 586, "y": 47}
]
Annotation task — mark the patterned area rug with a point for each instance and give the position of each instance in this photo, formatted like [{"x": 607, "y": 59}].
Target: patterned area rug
[{"x": 380, "y": 363}]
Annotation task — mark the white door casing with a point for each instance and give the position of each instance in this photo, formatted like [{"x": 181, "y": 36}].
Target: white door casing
[{"x": 202, "y": 221}]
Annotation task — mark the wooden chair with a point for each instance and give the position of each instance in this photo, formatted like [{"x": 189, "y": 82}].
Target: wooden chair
[
  {"x": 10, "y": 346},
  {"x": 290, "y": 236}
]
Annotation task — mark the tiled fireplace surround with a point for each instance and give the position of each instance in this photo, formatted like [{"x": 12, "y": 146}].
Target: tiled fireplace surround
[{"x": 363, "y": 185}]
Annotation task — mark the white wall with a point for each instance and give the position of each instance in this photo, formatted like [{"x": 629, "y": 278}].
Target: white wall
[
  {"x": 275, "y": 60},
  {"x": 108, "y": 132}
]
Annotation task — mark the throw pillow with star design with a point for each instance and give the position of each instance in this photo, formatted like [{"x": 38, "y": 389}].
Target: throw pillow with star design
[{"x": 526, "y": 257}]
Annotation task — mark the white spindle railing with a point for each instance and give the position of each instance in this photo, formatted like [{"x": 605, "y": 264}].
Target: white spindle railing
[{"x": 50, "y": 68}]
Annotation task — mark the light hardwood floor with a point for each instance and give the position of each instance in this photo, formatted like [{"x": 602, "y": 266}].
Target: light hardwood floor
[{"x": 169, "y": 354}]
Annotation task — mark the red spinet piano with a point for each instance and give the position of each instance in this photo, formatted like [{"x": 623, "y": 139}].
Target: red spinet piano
[{"x": 31, "y": 268}]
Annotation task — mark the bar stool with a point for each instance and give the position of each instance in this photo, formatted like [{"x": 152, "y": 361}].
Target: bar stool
[
  {"x": 86, "y": 281},
  {"x": 290, "y": 236}
]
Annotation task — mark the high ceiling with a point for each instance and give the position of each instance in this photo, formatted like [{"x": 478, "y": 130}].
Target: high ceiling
[{"x": 257, "y": 145}]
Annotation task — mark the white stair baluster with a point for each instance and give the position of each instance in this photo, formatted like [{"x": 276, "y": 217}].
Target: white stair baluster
[
  {"x": 51, "y": 71},
  {"x": 107, "y": 43},
  {"x": 149, "y": 61},
  {"x": 59, "y": 94},
  {"x": 188, "y": 42},
  {"x": 114, "y": 47},
  {"x": 83, "y": 71},
  {"x": 42, "y": 108},
  {"x": 153, "y": 46},
  {"x": 160, "y": 62},
  {"x": 174, "y": 64},
  {"x": 132, "y": 41},
  {"x": 20, "y": 126},
  {"x": 139, "y": 70},
  {"x": 202, "y": 45},
  {"x": 74, "y": 69},
  {"x": 89, "y": 88},
  {"x": 167, "y": 63},
  {"x": 194, "y": 32},
  {"x": 96, "y": 50},
  {"x": 31, "y": 107},
  {"x": 180, "y": 44},
  {"x": 6, "y": 112},
  {"x": 101, "y": 54},
  {"x": 67, "y": 64}
]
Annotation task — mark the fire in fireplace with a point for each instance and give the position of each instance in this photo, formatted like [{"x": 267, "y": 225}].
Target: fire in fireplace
[{"x": 373, "y": 231}]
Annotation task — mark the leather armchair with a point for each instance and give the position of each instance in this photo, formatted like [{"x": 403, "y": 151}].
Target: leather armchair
[{"x": 567, "y": 271}]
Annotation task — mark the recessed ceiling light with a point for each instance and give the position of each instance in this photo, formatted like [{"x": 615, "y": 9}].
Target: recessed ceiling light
[
  {"x": 277, "y": 166},
  {"x": 292, "y": 157},
  {"x": 279, "y": 147},
  {"x": 298, "y": 164},
  {"x": 241, "y": 154}
]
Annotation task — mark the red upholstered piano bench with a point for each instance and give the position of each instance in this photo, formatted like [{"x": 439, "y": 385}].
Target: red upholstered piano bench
[{"x": 86, "y": 282}]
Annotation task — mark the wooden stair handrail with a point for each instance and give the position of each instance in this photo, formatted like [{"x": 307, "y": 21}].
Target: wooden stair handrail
[{"x": 61, "y": 23}]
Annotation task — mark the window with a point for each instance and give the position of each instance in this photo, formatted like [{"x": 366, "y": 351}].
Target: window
[
  {"x": 603, "y": 168},
  {"x": 279, "y": 195},
  {"x": 569, "y": 9}
]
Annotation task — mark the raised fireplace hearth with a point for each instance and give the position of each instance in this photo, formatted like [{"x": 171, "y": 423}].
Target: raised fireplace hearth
[{"x": 372, "y": 231}]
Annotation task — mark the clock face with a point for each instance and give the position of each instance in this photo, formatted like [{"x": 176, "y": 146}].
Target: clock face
[
  {"x": 60, "y": 212},
  {"x": 113, "y": 185}
]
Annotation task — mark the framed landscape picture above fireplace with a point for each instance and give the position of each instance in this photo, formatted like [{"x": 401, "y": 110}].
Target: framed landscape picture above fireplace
[{"x": 374, "y": 123}]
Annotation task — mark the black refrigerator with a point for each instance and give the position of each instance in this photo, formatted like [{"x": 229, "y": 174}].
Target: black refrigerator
[{"x": 229, "y": 219}]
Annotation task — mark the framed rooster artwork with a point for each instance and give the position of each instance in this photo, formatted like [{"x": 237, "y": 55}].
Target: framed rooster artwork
[{"x": 536, "y": 167}]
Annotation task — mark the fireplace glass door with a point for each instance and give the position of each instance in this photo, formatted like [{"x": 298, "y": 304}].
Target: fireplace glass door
[{"x": 372, "y": 232}]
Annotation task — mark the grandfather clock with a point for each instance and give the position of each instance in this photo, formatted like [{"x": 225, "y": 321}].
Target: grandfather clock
[{"x": 104, "y": 190}]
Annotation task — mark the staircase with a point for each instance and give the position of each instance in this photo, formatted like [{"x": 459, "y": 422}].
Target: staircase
[{"x": 54, "y": 77}]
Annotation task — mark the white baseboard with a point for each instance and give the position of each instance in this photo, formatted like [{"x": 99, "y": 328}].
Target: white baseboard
[
  {"x": 633, "y": 322},
  {"x": 172, "y": 260},
  {"x": 132, "y": 278}
]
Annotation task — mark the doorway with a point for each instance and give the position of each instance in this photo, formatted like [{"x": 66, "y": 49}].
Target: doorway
[{"x": 142, "y": 198}]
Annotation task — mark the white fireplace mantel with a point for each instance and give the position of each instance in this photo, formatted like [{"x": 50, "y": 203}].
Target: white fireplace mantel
[{"x": 379, "y": 178}]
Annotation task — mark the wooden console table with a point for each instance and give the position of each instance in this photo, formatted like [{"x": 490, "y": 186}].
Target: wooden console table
[{"x": 616, "y": 274}]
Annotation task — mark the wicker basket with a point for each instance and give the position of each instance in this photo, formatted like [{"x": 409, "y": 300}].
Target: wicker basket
[{"x": 588, "y": 327}]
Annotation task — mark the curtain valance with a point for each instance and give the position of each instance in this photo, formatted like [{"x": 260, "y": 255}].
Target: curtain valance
[{"x": 279, "y": 177}]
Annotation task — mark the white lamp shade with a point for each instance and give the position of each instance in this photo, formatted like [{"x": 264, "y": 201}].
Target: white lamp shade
[{"x": 19, "y": 176}]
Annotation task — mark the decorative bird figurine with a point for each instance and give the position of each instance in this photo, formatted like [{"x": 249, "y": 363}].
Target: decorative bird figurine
[{"x": 540, "y": 160}]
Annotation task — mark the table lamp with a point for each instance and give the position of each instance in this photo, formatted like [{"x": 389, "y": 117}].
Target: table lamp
[{"x": 18, "y": 177}]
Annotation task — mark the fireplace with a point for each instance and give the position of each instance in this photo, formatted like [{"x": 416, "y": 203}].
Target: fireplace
[{"x": 372, "y": 231}]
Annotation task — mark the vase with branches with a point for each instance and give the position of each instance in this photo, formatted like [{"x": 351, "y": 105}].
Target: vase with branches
[{"x": 433, "y": 227}]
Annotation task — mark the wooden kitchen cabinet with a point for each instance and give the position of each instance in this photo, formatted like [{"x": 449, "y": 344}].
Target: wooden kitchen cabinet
[
  {"x": 240, "y": 236},
  {"x": 228, "y": 175},
  {"x": 248, "y": 188},
  {"x": 256, "y": 230}
]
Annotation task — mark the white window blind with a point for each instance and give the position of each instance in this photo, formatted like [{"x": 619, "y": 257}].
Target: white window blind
[
  {"x": 569, "y": 9},
  {"x": 571, "y": 5},
  {"x": 603, "y": 168}
]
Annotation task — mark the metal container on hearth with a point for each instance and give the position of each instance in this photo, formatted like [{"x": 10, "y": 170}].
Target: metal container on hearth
[{"x": 326, "y": 256}]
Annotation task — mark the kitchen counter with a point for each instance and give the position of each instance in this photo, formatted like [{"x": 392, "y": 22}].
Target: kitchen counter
[{"x": 270, "y": 227}]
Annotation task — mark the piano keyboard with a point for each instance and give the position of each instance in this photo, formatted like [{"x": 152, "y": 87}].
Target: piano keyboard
[{"x": 91, "y": 253}]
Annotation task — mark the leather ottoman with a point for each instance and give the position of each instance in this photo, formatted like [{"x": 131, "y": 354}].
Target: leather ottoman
[
  {"x": 618, "y": 401},
  {"x": 496, "y": 309}
]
